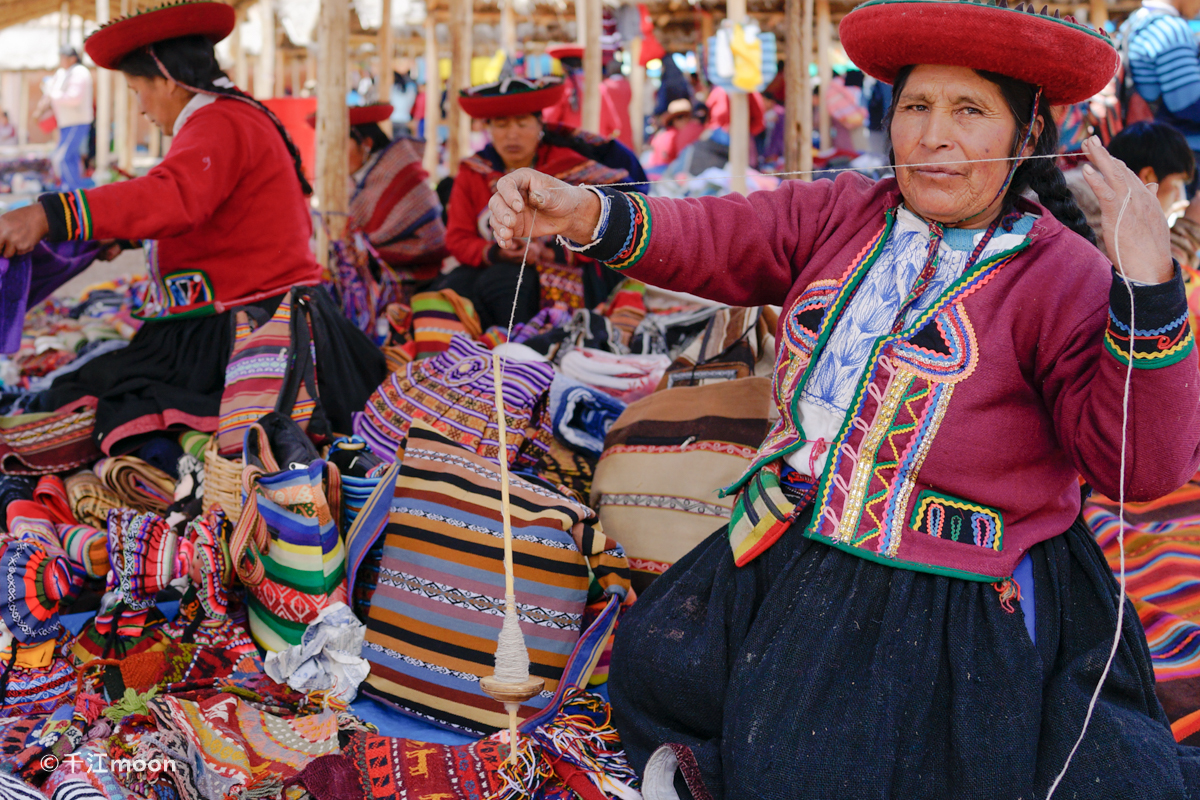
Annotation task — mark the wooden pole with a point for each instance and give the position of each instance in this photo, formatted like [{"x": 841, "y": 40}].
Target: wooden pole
[
  {"x": 23, "y": 108},
  {"x": 433, "y": 98},
  {"x": 104, "y": 97},
  {"x": 739, "y": 116},
  {"x": 1099, "y": 13},
  {"x": 805, "y": 99},
  {"x": 459, "y": 124},
  {"x": 310, "y": 64},
  {"x": 279, "y": 71},
  {"x": 593, "y": 70},
  {"x": 387, "y": 50},
  {"x": 64, "y": 24},
  {"x": 264, "y": 74},
  {"x": 297, "y": 84},
  {"x": 793, "y": 86},
  {"x": 241, "y": 67},
  {"x": 508, "y": 28},
  {"x": 824, "y": 70},
  {"x": 333, "y": 126},
  {"x": 128, "y": 142},
  {"x": 581, "y": 21},
  {"x": 637, "y": 96}
]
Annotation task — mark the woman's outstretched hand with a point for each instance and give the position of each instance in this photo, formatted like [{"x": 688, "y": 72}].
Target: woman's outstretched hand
[
  {"x": 561, "y": 209},
  {"x": 22, "y": 229},
  {"x": 1145, "y": 252}
]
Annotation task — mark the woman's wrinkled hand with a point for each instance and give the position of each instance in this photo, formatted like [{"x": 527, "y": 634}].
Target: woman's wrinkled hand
[
  {"x": 560, "y": 208},
  {"x": 22, "y": 229},
  {"x": 1145, "y": 242}
]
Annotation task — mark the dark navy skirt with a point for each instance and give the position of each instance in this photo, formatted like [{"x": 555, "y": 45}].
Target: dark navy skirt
[{"x": 814, "y": 674}]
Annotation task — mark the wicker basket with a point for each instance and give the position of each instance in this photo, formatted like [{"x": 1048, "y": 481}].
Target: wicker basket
[{"x": 222, "y": 482}]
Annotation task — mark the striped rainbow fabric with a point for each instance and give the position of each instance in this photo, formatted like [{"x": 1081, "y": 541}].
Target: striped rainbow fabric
[
  {"x": 304, "y": 566},
  {"x": 1162, "y": 569},
  {"x": 439, "y": 601}
]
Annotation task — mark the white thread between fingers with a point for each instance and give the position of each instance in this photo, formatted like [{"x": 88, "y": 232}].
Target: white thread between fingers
[
  {"x": 812, "y": 172},
  {"x": 1120, "y": 501}
]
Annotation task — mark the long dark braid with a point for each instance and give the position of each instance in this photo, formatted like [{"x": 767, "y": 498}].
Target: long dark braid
[
  {"x": 191, "y": 62},
  {"x": 1042, "y": 175}
]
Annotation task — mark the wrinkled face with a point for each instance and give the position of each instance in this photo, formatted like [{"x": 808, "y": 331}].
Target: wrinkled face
[
  {"x": 946, "y": 115},
  {"x": 516, "y": 139},
  {"x": 159, "y": 99}
]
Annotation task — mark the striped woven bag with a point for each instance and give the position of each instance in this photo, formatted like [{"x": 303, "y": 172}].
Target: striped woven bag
[
  {"x": 272, "y": 369},
  {"x": 286, "y": 547},
  {"x": 439, "y": 600}
]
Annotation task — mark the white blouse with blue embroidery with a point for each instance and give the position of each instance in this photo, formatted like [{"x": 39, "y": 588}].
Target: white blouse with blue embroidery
[{"x": 829, "y": 391}]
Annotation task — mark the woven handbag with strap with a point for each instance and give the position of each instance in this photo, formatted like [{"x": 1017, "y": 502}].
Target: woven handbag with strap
[
  {"x": 273, "y": 368},
  {"x": 286, "y": 547},
  {"x": 438, "y": 605}
]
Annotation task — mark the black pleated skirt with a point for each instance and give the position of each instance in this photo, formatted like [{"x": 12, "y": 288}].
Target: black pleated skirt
[
  {"x": 813, "y": 673},
  {"x": 172, "y": 374}
]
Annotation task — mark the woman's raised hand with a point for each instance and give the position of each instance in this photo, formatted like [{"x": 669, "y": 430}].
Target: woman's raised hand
[
  {"x": 22, "y": 229},
  {"x": 561, "y": 208},
  {"x": 1145, "y": 241}
]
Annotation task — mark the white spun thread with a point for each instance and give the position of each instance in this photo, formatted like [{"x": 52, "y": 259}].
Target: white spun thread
[
  {"x": 512, "y": 656},
  {"x": 1120, "y": 502}
]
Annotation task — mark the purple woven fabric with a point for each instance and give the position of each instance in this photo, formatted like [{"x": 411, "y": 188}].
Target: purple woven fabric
[{"x": 29, "y": 279}]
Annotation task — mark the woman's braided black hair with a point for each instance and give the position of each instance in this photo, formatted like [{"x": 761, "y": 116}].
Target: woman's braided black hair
[
  {"x": 191, "y": 62},
  {"x": 1042, "y": 175}
]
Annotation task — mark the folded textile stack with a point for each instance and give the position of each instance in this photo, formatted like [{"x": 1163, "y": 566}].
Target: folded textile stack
[
  {"x": 138, "y": 484},
  {"x": 90, "y": 499}
]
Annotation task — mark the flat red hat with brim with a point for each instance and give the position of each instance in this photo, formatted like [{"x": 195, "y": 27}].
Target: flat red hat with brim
[
  {"x": 1070, "y": 61},
  {"x": 360, "y": 115},
  {"x": 122, "y": 36},
  {"x": 364, "y": 115},
  {"x": 514, "y": 97},
  {"x": 561, "y": 51}
]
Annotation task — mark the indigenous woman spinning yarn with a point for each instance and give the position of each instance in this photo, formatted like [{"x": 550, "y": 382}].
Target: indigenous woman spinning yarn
[
  {"x": 226, "y": 225},
  {"x": 488, "y": 277},
  {"x": 905, "y": 602}
]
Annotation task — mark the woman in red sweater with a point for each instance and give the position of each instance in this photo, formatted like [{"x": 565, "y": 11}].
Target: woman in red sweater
[
  {"x": 488, "y": 275},
  {"x": 225, "y": 222},
  {"x": 905, "y": 601}
]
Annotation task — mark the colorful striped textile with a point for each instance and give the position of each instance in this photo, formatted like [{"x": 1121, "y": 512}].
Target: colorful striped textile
[
  {"x": 33, "y": 580},
  {"x": 55, "y": 441},
  {"x": 453, "y": 392},
  {"x": 286, "y": 547},
  {"x": 255, "y": 376},
  {"x": 439, "y": 602},
  {"x": 139, "y": 485},
  {"x": 1162, "y": 562},
  {"x": 86, "y": 547},
  {"x": 51, "y": 493},
  {"x": 90, "y": 499},
  {"x": 437, "y": 317}
]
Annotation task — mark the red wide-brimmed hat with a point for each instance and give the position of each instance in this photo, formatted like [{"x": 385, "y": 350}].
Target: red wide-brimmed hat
[
  {"x": 561, "y": 51},
  {"x": 513, "y": 97},
  {"x": 122, "y": 36},
  {"x": 361, "y": 115},
  {"x": 1069, "y": 60},
  {"x": 364, "y": 115}
]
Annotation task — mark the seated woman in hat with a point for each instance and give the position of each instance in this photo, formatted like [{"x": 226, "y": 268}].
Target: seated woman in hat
[
  {"x": 679, "y": 129},
  {"x": 488, "y": 275},
  {"x": 905, "y": 602},
  {"x": 392, "y": 206},
  {"x": 225, "y": 220}
]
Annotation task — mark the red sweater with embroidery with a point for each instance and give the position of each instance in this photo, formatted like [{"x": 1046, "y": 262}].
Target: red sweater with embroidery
[{"x": 226, "y": 208}]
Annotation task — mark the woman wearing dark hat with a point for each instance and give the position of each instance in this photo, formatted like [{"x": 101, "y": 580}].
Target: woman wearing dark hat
[
  {"x": 488, "y": 275},
  {"x": 905, "y": 602},
  {"x": 226, "y": 224}
]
